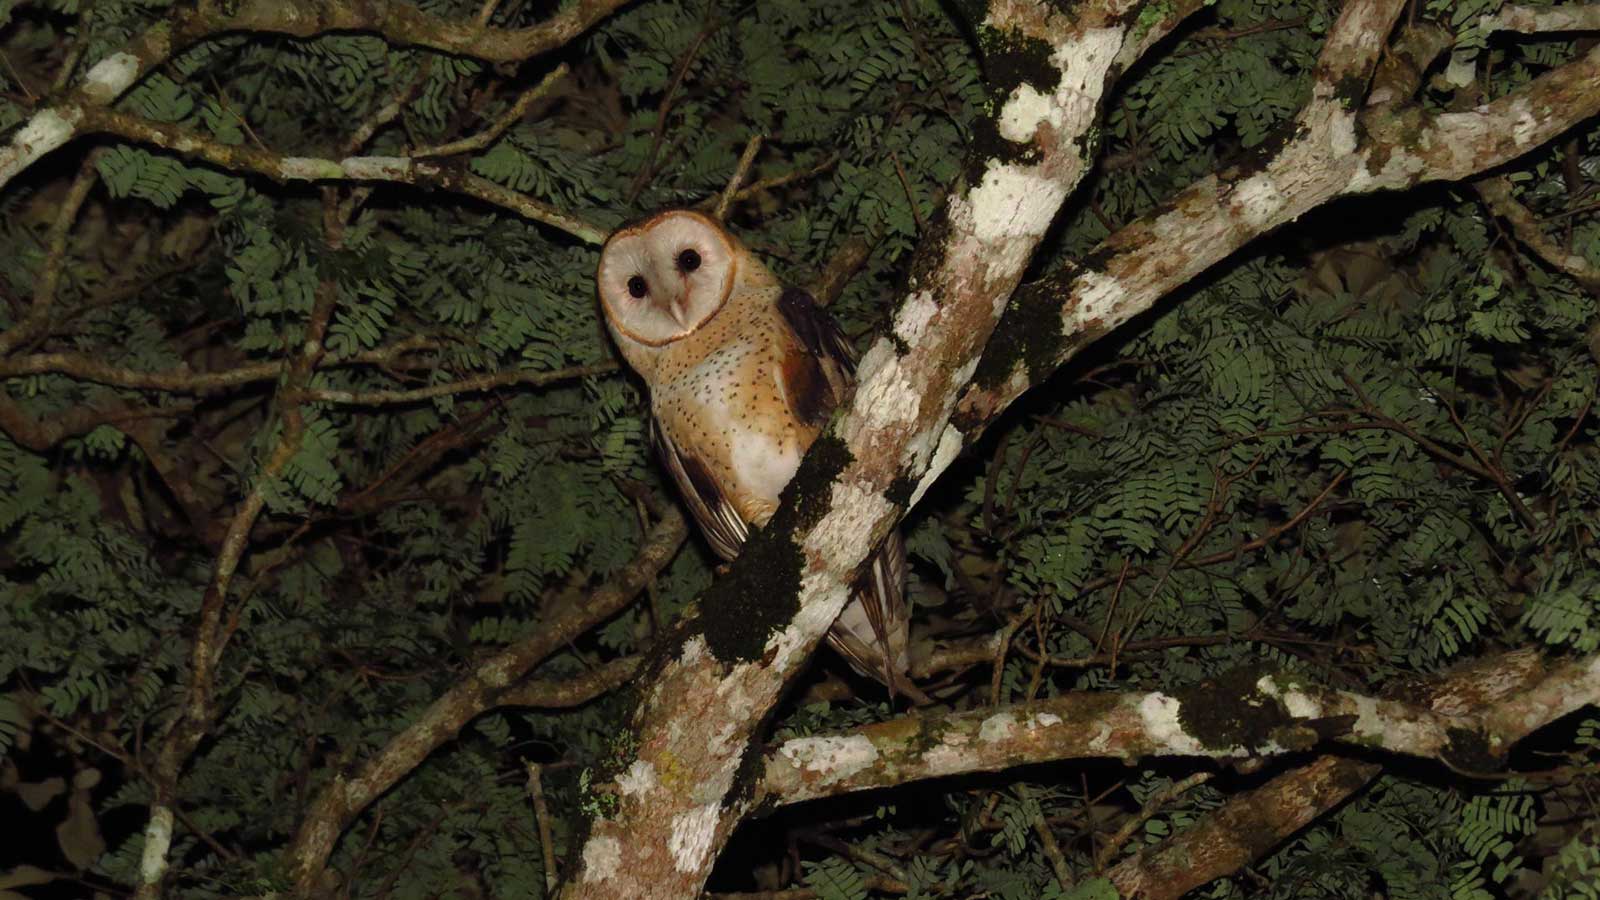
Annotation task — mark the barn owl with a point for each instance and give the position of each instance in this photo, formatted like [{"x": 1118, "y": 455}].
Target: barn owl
[{"x": 743, "y": 373}]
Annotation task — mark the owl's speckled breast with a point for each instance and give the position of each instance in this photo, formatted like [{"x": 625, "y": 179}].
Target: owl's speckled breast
[{"x": 718, "y": 395}]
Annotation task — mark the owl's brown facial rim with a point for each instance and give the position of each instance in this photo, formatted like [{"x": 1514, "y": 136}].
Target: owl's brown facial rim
[{"x": 665, "y": 277}]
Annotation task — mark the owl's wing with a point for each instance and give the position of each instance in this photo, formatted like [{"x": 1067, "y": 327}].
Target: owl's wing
[
  {"x": 712, "y": 511},
  {"x": 819, "y": 369},
  {"x": 873, "y": 632}
]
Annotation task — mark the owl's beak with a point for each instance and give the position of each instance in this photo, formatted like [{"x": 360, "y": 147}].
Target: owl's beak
[{"x": 679, "y": 308}]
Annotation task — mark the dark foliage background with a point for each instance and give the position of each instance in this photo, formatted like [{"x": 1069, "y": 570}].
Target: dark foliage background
[{"x": 1364, "y": 451}]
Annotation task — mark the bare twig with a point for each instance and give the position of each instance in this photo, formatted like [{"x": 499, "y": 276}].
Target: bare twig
[
  {"x": 1152, "y": 805},
  {"x": 491, "y": 134},
  {"x": 740, "y": 173},
  {"x": 541, "y": 814}
]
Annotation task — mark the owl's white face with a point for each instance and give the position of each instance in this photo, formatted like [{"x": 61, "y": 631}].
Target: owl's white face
[{"x": 664, "y": 278}]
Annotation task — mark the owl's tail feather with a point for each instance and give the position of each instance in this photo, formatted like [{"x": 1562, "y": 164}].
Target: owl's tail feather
[{"x": 873, "y": 631}]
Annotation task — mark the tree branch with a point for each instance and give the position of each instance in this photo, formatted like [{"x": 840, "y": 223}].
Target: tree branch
[
  {"x": 1244, "y": 717},
  {"x": 396, "y": 169},
  {"x": 1050, "y": 321},
  {"x": 1532, "y": 20},
  {"x": 1496, "y": 193},
  {"x": 1251, "y": 824},
  {"x": 401, "y": 24},
  {"x": 492, "y": 682}
]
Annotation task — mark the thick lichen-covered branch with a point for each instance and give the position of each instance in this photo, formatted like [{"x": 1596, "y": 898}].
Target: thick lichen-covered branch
[
  {"x": 1252, "y": 823},
  {"x": 1336, "y": 150},
  {"x": 1532, "y": 19},
  {"x": 1246, "y": 715}
]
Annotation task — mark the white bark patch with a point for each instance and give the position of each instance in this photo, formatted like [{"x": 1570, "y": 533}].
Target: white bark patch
[
  {"x": 1258, "y": 201},
  {"x": 1101, "y": 742},
  {"x": 1010, "y": 202},
  {"x": 1526, "y": 129},
  {"x": 381, "y": 168},
  {"x": 1024, "y": 110},
  {"x": 948, "y": 757},
  {"x": 1159, "y": 713},
  {"x": 915, "y": 313},
  {"x": 833, "y": 758},
  {"x": 691, "y": 838},
  {"x": 694, "y": 650},
  {"x": 1083, "y": 64},
  {"x": 1298, "y": 703},
  {"x": 814, "y": 618},
  {"x": 110, "y": 77},
  {"x": 47, "y": 130},
  {"x": 886, "y": 400},
  {"x": 845, "y": 532},
  {"x": 718, "y": 744},
  {"x": 1097, "y": 299},
  {"x": 157, "y": 838},
  {"x": 943, "y": 455},
  {"x": 497, "y": 672},
  {"x": 1461, "y": 70},
  {"x": 1397, "y": 170},
  {"x": 997, "y": 727},
  {"x": 602, "y": 857},
  {"x": 639, "y": 779},
  {"x": 1342, "y": 134},
  {"x": 309, "y": 168}
]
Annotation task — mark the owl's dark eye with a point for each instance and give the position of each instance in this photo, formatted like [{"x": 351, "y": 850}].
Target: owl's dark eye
[
  {"x": 638, "y": 287},
  {"x": 688, "y": 261}
]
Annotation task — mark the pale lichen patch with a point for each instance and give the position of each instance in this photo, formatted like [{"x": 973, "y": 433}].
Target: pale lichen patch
[
  {"x": 831, "y": 758},
  {"x": 1525, "y": 128},
  {"x": 309, "y": 168},
  {"x": 383, "y": 168},
  {"x": 911, "y": 322},
  {"x": 946, "y": 759},
  {"x": 692, "y": 836},
  {"x": 639, "y": 779},
  {"x": 1159, "y": 714},
  {"x": 1342, "y": 135},
  {"x": 47, "y": 130},
  {"x": 816, "y": 614},
  {"x": 1258, "y": 201},
  {"x": 694, "y": 650},
  {"x": 498, "y": 672},
  {"x": 602, "y": 857},
  {"x": 157, "y": 838},
  {"x": 886, "y": 400},
  {"x": 1101, "y": 742},
  {"x": 845, "y": 533},
  {"x": 109, "y": 77},
  {"x": 1011, "y": 201},
  {"x": 1023, "y": 112},
  {"x": 1298, "y": 703},
  {"x": 1099, "y": 297},
  {"x": 943, "y": 455},
  {"x": 997, "y": 727}
]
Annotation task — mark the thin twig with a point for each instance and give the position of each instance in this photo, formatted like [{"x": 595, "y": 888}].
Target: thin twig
[
  {"x": 463, "y": 386},
  {"x": 740, "y": 173},
  {"x": 541, "y": 813},
  {"x": 1152, "y": 805},
  {"x": 492, "y": 133}
]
